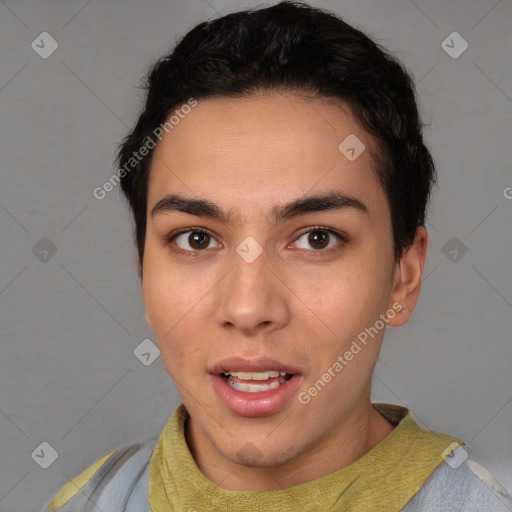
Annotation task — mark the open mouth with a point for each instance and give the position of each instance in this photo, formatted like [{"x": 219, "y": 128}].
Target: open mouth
[
  {"x": 256, "y": 382},
  {"x": 255, "y": 387}
]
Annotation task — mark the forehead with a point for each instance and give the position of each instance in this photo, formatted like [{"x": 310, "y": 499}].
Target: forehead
[{"x": 264, "y": 149}]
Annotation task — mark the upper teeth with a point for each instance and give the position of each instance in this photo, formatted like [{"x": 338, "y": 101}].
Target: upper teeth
[{"x": 255, "y": 375}]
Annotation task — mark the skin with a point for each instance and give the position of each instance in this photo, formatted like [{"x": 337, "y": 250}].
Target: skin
[{"x": 296, "y": 303}]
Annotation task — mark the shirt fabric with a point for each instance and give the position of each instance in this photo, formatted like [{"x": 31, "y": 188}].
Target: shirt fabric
[
  {"x": 412, "y": 469},
  {"x": 388, "y": 475}
]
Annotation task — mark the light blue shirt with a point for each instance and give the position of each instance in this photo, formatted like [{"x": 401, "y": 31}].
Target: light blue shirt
[{"x": 459, "y": 484}]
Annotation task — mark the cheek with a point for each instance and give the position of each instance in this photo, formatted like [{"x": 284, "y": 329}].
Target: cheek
[
  {"x": 167, "y": 293},
  {"x": 175, "y": 325},
  {"x": 172, "y": 308},
  {"x": 345, "y": 293},
  {"x": 345, "y": 302},
  {"x": 175, "y": 302}
]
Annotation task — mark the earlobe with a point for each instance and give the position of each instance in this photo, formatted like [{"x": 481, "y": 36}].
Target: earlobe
[{"x": 407, "y": 279}]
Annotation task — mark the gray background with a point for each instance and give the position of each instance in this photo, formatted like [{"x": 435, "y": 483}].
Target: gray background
[{"x": 71, "y": 322}]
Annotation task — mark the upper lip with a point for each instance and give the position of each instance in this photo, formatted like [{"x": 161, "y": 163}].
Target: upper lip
[{"x": 241, "y": 364}]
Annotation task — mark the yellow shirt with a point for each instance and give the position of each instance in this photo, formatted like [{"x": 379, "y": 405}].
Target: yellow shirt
[{"x": 384, "y": 479}]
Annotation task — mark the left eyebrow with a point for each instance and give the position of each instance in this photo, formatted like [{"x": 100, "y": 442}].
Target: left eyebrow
[{"x": 328, "y": 201}]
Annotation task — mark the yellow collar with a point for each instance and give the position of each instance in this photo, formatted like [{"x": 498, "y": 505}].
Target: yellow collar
[{"x": 388, "y": 475}]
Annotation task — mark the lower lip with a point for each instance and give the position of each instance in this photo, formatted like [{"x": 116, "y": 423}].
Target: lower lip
[{"x": 262, "y": 403}]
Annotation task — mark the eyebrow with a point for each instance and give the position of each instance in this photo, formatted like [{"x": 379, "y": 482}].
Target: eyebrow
[{"x": 328, "y": 201}]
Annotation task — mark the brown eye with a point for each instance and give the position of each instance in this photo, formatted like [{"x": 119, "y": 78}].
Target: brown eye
[
  {"x": 319, "y": 239},
  {"x": 198, "y": 240},
  {"x": 192, "y": 240}
]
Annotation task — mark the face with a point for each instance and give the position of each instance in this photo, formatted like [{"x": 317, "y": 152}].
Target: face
[{"x": 243, "y": 283}]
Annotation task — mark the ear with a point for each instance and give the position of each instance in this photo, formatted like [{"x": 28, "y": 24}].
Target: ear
[{"x": 407, "y": 279}]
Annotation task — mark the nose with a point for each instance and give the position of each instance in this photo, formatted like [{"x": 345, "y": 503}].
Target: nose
[{"x": 252, "y": 297}]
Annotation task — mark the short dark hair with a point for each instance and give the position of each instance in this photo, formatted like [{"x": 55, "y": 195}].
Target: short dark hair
[{"x": 297, "y": 47}]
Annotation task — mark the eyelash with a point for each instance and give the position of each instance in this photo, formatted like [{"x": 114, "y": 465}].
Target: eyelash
[{"x": 341, "y": 236}]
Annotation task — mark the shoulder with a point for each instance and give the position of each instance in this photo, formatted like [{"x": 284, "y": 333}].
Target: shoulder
[
  {"x": 110, "y": 483},
  {"x": 461, "y": 484}
]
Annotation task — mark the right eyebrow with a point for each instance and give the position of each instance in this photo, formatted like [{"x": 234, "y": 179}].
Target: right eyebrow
[{"x": 328, "y": 201}]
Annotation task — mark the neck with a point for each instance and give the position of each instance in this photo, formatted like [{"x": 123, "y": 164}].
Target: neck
[{"x": 350, "y": 441}]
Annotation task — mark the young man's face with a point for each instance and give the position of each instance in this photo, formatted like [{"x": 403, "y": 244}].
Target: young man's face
[{"x": 260, "y": 288}]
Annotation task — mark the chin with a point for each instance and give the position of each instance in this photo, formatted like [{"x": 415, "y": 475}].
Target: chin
[{"x": 252, "y": 456}]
